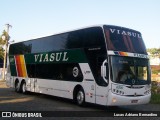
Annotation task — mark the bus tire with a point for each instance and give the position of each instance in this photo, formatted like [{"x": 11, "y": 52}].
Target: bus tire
[
  {"x": 17, "y": 87},
  {"x": 23, "y": 87},
  {"x": 80, "y": 97}
]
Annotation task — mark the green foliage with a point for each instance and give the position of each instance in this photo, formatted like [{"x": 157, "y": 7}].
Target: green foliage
[
  {"x": 154, "y": 83},
  {"x": 155, "y": 71},
  {"x": 1, "y": 53},
  {"x": 155, "y": 52},
  {"x": 155, "y": 97},
  {"x": 2, "y": 43}
]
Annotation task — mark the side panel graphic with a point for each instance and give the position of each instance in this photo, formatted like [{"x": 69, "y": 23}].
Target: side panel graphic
[{"x": 21, "y": 66}]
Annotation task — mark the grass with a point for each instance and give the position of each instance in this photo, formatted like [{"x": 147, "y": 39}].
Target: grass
[{"x": 155, "y": 98}]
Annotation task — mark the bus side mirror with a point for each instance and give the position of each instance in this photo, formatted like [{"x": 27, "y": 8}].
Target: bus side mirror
[{"x": 104, "y": 71}]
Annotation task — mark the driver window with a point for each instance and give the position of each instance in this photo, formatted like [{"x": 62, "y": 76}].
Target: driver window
[{"x": 126, "y": 73}]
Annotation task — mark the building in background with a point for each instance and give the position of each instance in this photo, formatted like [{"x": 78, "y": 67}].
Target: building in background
[
  {"x": 155, "y": 66},
  {"x": 154, "y": 60}
]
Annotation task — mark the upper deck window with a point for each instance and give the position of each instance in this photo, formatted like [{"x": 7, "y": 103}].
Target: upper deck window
[{"x": 84, "y": 38}]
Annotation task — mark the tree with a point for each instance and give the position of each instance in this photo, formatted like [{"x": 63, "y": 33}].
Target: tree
[
  {"x": 155, "y": 52},
  {"x": 2, "y": 43}
]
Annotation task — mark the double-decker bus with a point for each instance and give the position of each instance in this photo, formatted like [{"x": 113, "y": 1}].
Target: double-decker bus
[{"x": 103, "y": 64}]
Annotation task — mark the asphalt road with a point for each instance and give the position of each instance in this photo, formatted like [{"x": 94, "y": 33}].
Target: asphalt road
[{"x": 63, "y": 108}]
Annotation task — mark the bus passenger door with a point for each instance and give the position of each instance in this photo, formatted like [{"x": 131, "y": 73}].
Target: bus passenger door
[{"x": 101, "y": 94}]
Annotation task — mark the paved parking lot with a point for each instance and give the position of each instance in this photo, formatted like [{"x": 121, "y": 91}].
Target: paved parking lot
[{"x": 12, "y": 101}]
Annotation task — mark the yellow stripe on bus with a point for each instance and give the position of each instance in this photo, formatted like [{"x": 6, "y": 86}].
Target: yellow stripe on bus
[{"x": 23, "y": 66}]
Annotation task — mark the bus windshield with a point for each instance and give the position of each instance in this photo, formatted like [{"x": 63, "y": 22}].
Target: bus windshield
[
  {"x": 130, "y": 71},
  {"x": 123, "y": 39}
]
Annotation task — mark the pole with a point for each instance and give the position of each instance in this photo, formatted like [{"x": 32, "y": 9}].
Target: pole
[{"x": 5, "y": 53}]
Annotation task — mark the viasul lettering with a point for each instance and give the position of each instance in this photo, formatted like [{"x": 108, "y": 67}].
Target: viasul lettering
[
  {"x": 51, "y": 57},
  {"x": 122, "y": 32}
]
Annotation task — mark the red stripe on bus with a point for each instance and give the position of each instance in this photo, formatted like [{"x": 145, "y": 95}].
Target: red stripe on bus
[{"x": 18, "y": 64}]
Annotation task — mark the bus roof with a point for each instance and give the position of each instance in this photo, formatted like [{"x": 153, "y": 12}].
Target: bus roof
[{"x": 100, "y": 25}]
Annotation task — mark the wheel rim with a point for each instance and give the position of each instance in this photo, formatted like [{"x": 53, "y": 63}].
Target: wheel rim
[
  {"x": 80, "y": 97},
  {"x": 24, "y": 88}
]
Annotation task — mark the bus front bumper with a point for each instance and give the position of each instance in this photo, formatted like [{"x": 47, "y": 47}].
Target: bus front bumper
[{"x": 118, "y": 100}]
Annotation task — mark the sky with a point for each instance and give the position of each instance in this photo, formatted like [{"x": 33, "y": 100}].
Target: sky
[{"x": 36, "y": 18}]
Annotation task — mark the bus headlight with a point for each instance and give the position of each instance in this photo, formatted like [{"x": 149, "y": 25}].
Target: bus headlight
[
  {"x": 114, "y": 100},
  {"x": 118, "y": 92}
]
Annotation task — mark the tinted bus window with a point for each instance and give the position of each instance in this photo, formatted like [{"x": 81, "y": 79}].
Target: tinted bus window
[
  {"x": 89, "y": 37},
  {"x": 75, "y": 39},
  {"x": 93, "y": 37},
  {"x": 123, "y": 39},
  {"x": 20, "y": 48}
]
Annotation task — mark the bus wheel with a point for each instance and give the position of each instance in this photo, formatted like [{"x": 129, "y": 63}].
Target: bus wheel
[
  {"x": 80, "y": 97},
  {"x": 23, "y": 87},
  {"x": 16, "y": 87}
]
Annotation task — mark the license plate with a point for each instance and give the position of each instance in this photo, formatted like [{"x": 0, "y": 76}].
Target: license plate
[{"x": 134, "y": 101}]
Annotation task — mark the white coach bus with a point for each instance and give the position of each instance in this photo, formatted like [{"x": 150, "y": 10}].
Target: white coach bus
[{"x": 106, "y": 65}]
